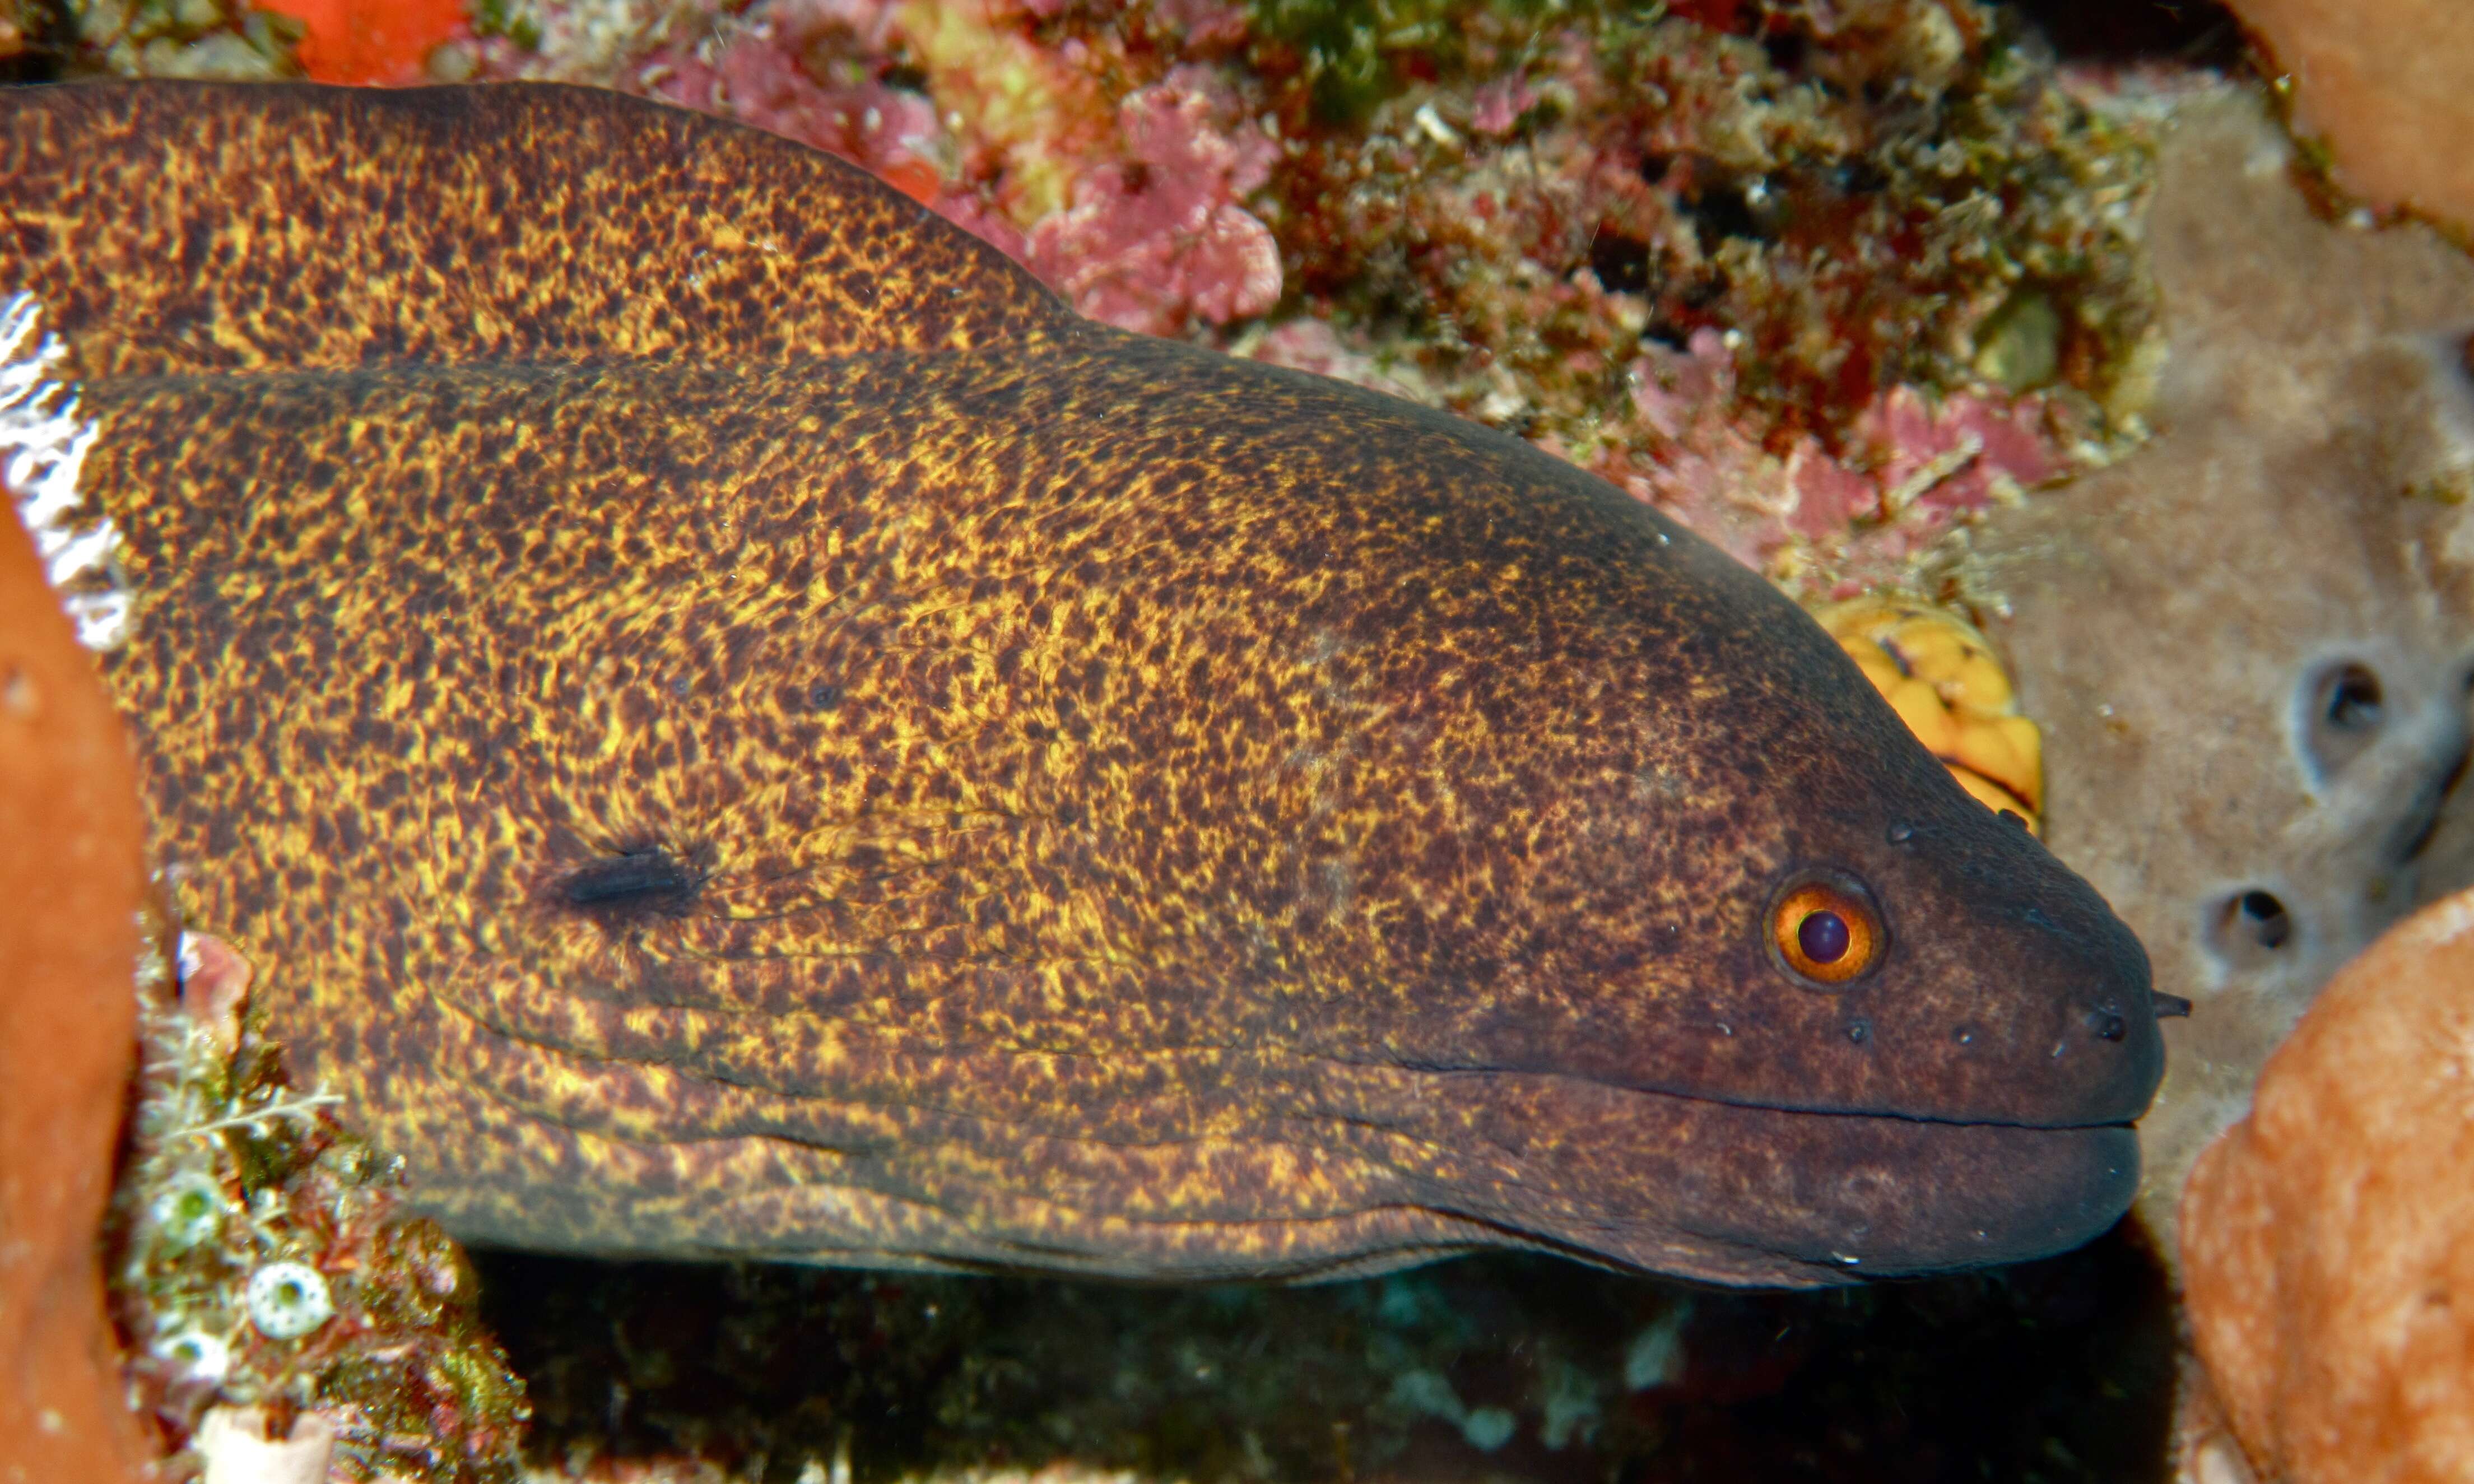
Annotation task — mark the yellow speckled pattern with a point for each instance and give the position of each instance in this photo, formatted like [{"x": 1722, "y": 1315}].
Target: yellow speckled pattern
[
  {"x": 1939, "y": 675},
  {"x": 810, "y": 751},
  {"x": 594, "y": 230}
]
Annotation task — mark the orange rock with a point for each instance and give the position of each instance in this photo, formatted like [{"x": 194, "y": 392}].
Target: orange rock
[
  {"x": 2385, "y": 83},
  {"x": 70, "y": 877},
  {"x": 2328, "y": 1239}
]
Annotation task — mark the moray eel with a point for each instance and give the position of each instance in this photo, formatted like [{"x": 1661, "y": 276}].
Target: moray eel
[{"x": 732, "y": 722}]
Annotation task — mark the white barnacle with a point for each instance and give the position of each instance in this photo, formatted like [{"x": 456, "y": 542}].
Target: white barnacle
[
  {"x": 188, "y": 1211},
  {"x": 43, "y": 445},
  {"x": 288, "y": 1300},
  {"x": 200, "y": 1355}
]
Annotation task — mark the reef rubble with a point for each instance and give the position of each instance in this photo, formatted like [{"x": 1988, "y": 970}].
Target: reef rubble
[{"x": 282, "y": 1312}]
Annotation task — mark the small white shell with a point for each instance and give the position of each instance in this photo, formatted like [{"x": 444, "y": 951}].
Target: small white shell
[{"x": 288, "y": 1300}]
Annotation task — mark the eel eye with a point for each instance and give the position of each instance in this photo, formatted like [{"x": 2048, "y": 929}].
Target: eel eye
[{"x": 1825, "y": 932}]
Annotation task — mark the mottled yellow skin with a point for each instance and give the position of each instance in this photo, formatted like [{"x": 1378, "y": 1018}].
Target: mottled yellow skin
[{"x": 732, "y": 724}]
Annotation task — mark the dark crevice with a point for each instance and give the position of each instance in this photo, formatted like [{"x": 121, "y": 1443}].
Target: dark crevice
[{"x": 2193, "y": 33}]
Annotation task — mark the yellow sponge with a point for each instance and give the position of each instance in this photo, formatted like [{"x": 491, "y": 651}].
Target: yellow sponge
[{"x": 1940, "y": 676}]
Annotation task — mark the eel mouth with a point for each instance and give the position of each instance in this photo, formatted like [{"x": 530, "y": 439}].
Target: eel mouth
[
  {"x": 1885, "y": 1196},
  {"x": 1875, "y": 1195},
  {"x": 1794, "y": 1197}
]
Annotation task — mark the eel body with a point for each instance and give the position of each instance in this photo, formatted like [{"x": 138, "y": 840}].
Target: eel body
[{"x": 731, "y": 722}]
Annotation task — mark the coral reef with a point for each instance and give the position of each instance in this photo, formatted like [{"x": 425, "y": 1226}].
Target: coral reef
[
  {"x": 2381, "y": 84},
  {"x": 2328, "y": 1239},
  {"x": 1815, "y": 330},
  {"x": 71, "y": 878},
  {"x": 279, "y": 1300},
  {"x": 2249, "y": 642}
]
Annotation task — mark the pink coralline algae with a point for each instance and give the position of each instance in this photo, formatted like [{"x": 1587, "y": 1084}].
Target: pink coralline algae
[
  {"x": 1160, "y": 234},
  {"x": 1497, "y": 108},
  {"x": 1908, "y": 468},
  {"x": 1314, "y": 345},
  {"x": 1960, "y": 455},
  {"x": 757, "y": 76},
  {"x": 1136, "y": 212}
]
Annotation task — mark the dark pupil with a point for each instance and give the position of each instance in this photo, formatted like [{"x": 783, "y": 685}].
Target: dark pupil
[{"x": 1823, "y": 936}]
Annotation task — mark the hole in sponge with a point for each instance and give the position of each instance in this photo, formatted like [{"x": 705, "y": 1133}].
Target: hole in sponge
[
  {"x": 2250, "y": 928},
  {"x": 2344, "y": 706}
]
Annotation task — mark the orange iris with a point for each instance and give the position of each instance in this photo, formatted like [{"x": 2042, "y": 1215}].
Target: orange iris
[{"x": 1825, "y": 932}]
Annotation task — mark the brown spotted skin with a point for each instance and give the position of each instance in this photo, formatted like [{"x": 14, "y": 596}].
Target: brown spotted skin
[{"x": 811, "y": 750}]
